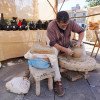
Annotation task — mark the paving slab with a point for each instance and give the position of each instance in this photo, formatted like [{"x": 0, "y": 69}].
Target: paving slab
[
  {"x": 79, "y": 90},
  {"x": 94, "y": 79},
  {"x": 7, "y": 74},
  {"x": 96, "y": 91},
  {"x": 94, "y": 76},
  {"x": 45, "y": 94}
]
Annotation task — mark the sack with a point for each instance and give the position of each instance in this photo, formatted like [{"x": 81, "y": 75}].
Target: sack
[
  {"x": 39, "y": 63},
  {"x": 18, "y": 85}
]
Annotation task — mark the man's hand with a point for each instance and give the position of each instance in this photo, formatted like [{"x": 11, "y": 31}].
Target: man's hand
[
  {"x": 63, "y": 49},
  {"x": 81, "y": 35},
  {"x": 78, "y": 44},
  {"x": 69, "y": 51}
]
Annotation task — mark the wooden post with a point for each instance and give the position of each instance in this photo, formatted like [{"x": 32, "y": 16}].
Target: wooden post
[
  {"x": 56, "y": 6},
  {"x": 85, "y": 75}
]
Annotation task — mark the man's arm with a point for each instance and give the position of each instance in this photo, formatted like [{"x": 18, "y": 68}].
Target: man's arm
[
  {"x": 81, "y": 36},
  {"x": 63, "y": 49},
  {"x": 77, "y": 29}
]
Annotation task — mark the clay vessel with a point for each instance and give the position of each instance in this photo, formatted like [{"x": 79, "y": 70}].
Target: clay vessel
[{"x": 78, "y": 52}]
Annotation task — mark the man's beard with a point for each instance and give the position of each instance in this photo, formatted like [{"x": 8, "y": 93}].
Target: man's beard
[{"x": 64, "y": 29}]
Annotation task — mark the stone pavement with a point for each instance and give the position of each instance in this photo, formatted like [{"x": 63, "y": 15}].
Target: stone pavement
[{"x": 80, "y": 90}]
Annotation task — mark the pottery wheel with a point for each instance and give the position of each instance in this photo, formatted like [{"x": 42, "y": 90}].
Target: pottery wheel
[{"x": 77, "y": 64}]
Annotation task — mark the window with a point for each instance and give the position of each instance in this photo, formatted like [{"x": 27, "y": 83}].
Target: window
[
  {"x": 83, "y": 14},
  {"x": 83, "y": 25},
  {"x": 74, "y": 15},
  {"x": 75, "y": 20}
]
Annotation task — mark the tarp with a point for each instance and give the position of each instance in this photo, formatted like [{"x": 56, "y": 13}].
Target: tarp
[
  {"x": 90, "y": 34},
  {"x": 17, "y": 43},
  {"x": 61, "y": 1},
  {"x": 23, "y": 9},
  {"x": 45, "y": 10},
  {"x": 28, "y": 9},
  {"x": 91, "y": 11}
]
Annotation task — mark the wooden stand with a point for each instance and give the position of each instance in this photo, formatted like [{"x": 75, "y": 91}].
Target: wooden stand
[
  {"x": 72, "y": 75},
  {"x": 97, "y": 44}
]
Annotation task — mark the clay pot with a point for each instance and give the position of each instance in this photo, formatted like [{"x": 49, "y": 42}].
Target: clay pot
[{"x": 78, "y": 52}]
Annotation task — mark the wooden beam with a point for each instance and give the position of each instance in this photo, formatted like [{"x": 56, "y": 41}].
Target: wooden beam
[
  {"x": 52, "y": 6},
  {"x": 62, "y": 5},
  {"x": 85, "y": 16},
  {"x": 56, "y": 6},
  {"x": 86, "y": 42}
]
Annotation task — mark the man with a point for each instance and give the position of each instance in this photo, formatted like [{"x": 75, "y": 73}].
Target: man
[{"x": 59, "y": 32}]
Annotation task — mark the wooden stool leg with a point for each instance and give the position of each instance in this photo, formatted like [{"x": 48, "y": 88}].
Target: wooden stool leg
[
  {"x": 50, "y": 83},
  {"x": 37, "y": 88},
  {"x": 97, "y": 52},
  {"x": 92, "y": 51},
  {"x": 85, "y": 75},
  {"x": 93, "y": 48}
]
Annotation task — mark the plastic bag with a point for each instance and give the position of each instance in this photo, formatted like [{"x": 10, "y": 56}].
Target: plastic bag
[
  {"x": 18, "y": 85},
  {"x": 39, "y": 63}
]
